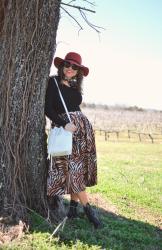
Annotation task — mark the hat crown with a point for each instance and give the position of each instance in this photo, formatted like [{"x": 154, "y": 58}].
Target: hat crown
[{"x": 75, "y": 57}]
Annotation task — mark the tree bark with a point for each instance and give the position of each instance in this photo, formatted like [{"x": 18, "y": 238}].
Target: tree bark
[{"x": 27, "y": 44}]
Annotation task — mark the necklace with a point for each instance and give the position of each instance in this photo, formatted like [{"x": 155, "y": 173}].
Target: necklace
[
  {"x": 65, "y": 82},
  {"x": 70, "y": 82}
]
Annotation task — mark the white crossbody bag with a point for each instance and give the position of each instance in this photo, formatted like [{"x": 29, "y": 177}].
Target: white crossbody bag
[{"x": 59, "y": 139}]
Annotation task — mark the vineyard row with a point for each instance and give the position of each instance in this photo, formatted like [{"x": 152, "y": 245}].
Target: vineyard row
[{"x": 129, "y": 135}]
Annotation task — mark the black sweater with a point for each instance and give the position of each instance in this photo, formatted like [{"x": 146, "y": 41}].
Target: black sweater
[{"x": 53, "y": 103}]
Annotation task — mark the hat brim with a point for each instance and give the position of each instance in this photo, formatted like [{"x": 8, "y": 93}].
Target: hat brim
[{"x": 58, "y": 61}]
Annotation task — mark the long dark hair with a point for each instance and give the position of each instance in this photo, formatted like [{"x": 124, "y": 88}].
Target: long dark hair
[{"x": 76, "y": 82}]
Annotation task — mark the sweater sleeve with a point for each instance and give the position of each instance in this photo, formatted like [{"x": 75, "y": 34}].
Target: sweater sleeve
[{"x": 49, "y": 105}]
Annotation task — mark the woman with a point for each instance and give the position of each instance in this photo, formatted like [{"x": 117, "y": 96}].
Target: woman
[{"x": 72, "y": 174}]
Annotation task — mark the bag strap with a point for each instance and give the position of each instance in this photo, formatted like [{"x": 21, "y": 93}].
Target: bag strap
[{"x": 62, "y": 99}]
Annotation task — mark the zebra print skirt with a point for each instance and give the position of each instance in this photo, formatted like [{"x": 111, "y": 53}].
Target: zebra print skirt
[{"x": 72, "y": 174}]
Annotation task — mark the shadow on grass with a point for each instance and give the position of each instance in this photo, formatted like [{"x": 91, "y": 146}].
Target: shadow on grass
[{"x": 117, "y": 233}]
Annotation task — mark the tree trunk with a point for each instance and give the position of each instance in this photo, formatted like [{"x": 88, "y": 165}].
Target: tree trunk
[{"x": 27, "y": 44}]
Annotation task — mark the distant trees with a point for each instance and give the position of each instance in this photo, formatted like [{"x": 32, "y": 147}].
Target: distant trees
[{"x": 110, "y": 107}]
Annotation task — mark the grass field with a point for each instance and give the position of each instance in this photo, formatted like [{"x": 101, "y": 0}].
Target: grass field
[{"x": 128, "y": 199}]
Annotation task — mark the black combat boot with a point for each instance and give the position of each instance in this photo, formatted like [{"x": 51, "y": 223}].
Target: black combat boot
[
  {"x": 92, "y": 217},
  {"x": 72, "y": 213}
]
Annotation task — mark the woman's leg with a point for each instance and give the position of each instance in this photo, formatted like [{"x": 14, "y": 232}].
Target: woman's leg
[
  {"x": 89, "y": 211},
  {"x": 82, "y": 196},
  {"x": 74, "y": 197},
  {"x": 72, "y": 213}
]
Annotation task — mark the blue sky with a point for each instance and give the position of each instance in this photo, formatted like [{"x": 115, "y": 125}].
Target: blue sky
[{"x": 125, "y": 61}]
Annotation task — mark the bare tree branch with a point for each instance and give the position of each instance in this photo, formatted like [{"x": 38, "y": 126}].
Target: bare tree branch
[
  {"x": 78, "y": 7},
  {"x": 83, "y": 15},
  {"x": 95, "y": 27},
  {"x": 72, "y": 1},
  {"x": 93, "y": 4},
  {"x": 81, "y": 28}
]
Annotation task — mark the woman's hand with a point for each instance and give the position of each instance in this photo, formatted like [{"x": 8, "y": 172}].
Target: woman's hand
[{"x": 70, "y": 127}]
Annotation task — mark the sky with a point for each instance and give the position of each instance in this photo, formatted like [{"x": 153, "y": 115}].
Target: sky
[{"x": 125, "y": 59}]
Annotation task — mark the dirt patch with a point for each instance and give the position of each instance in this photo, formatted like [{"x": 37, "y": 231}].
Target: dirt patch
[
  {"x": 147, "y": 216},
  {"x": 99, "y": 201},
  {"x": 9, "y": 230}
]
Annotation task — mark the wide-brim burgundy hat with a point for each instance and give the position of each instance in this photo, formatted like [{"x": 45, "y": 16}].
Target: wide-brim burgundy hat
[{"x": 73, "y": 58}]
